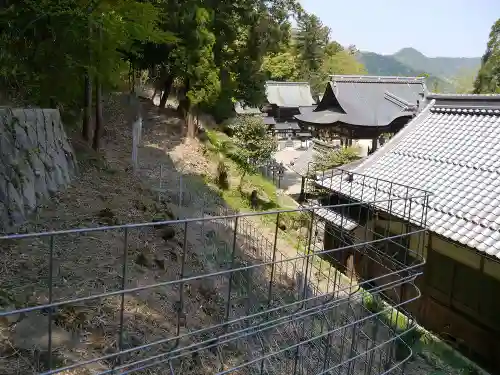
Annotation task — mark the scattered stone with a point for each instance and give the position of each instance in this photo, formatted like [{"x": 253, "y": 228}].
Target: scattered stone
[
  {"x": 71, "y": 317},
  {"x": 264, "y": 198},
  {"x": 159, "y": 219},
  {"x": 6, "y": 299},
  {"x": 140, "y": 206},
  {"x": 173, "y": 256},
  {"x": 106, "y": 213},
  {"x": 143, "y": 260},
  {"x": 107, "y": 216},
  {"x": 131, "y": 341},
  {"x": 209, "y": 309},
  {"x": 207, "y": 290},
  {"x": 160, "y": 263},
  {"x": 302, "y": 232},
  {"x": 32, "y": 333},
  {"x": 254, "y": 199},
  {"x": 13, "y": 318},
  {"x": 168, "y": 233}
]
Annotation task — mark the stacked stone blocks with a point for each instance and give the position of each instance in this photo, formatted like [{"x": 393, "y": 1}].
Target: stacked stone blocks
[{"x": 36, "y": 161}]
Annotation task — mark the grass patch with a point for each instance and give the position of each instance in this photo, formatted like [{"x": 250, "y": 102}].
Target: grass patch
[
  {"x": 434, "y": 351},
  {"x": 221, "y": 144}
]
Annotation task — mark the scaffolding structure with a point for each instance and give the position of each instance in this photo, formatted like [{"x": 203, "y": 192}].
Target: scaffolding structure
[{"x": 224, "y": 298}]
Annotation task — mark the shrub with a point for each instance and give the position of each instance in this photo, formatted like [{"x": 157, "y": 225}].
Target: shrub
[
  {"x": 222, "y": 175},
  {"x": 254, "y": 146},
  {"x": 336, "y": 158}
]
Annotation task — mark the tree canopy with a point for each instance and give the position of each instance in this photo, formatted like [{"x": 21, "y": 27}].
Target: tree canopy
[
  {"x": 215, "y": 49},
  {"x": 311, "y": 56},
  {"x": 335, "y": 158},
  {"x": 255, "y": 145},
  {"x": 488, "y": 78},
  {"x": 53, "y": 52}
]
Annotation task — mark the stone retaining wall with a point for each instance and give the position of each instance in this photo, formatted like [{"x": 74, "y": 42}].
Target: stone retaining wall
[{"x": 36, "y": 160}]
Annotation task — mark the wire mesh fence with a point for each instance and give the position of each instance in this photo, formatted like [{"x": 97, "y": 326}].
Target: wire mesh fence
[
  {"x": 273, "y": 171},
  {"x": 210, "y": 295}
]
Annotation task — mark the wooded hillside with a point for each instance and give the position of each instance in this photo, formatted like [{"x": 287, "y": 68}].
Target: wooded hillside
[{"x": 66, "y": 52}]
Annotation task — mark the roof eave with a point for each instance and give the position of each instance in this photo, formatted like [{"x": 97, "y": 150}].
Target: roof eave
[
  {"x": 376, "y": 79},
  {"x": 394, "y": 140}
]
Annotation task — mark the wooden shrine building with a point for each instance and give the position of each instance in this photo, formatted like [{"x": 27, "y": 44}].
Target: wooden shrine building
[
  {"x": 287, "y": 99},
  {"x": 364, "y": 107}
]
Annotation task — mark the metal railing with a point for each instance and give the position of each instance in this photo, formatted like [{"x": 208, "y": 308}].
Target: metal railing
[{"x": 206, "y": 295}]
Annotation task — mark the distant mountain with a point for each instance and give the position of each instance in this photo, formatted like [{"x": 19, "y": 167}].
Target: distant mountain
[
  {"x": 384, "y": 65},
  {"x": 446, "y": 67},
  {"x": 441, "y": 71}
]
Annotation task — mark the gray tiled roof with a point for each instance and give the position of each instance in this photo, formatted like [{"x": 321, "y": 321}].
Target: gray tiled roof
[
  {"x": 307, "y": 109},
  {"x": 285, "y": 126},
  {"x": 452, "y": 150},
  {"x": 301, "y": 165},
  {"x": 367, "y": 100},
  {"x": 336, "y": 218},
  {"x": 269, "y": 120},
  {"x": 289, "y": 94}
]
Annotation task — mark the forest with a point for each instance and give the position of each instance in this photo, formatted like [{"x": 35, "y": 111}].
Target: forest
[{"x": 69, "y": 53}]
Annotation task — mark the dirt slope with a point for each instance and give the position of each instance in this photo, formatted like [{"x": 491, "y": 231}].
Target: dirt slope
[{"x": 108, "y": 193}]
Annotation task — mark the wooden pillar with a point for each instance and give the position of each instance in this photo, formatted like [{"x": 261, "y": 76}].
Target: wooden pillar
[
  {"x": 374, "y": 144},
  {"x": 302, "y": 194}
]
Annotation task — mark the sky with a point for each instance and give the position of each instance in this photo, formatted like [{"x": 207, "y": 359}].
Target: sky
[{"x": 445, "y": 28}]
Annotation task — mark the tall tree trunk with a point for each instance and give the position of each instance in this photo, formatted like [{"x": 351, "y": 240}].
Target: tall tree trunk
[
  {"x": 87, "y": 107},
  {"x": 185, "y": 107},
  {"x": 87, "y": 100},
  {"x": 167, "y": 87},
  {"x": 98, "y": 115},
  {"x": 98, "y": 108}
]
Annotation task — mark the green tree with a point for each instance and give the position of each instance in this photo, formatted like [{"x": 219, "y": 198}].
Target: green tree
[
  {"x": 464, "y": 81},
  {"x": 341, "y": 62},
  {"x": 215, "y": 50},
  {"x": 435, "y": 86},
  {"x": 52, "y": 50},
  {"x": 333, "y": 48},
  {"x": 336, "y": 158},
  {"x": 281, "y": 66},
  {"x": 255, "y": 145},
  {"x": 488, "y": 77},
  {"x": 311, "y": 41}
]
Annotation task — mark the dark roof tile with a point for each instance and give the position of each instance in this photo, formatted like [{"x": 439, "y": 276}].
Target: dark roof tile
[
  {"x": 289, "y": 94},
  {"x": 453, "y": 152},
  {"x": 367, "y": 100}
]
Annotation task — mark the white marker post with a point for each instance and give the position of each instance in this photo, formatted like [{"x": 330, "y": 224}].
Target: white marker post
[
  {"x": 180, "y": 191},
  {"x": 136, "y": 129}
]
